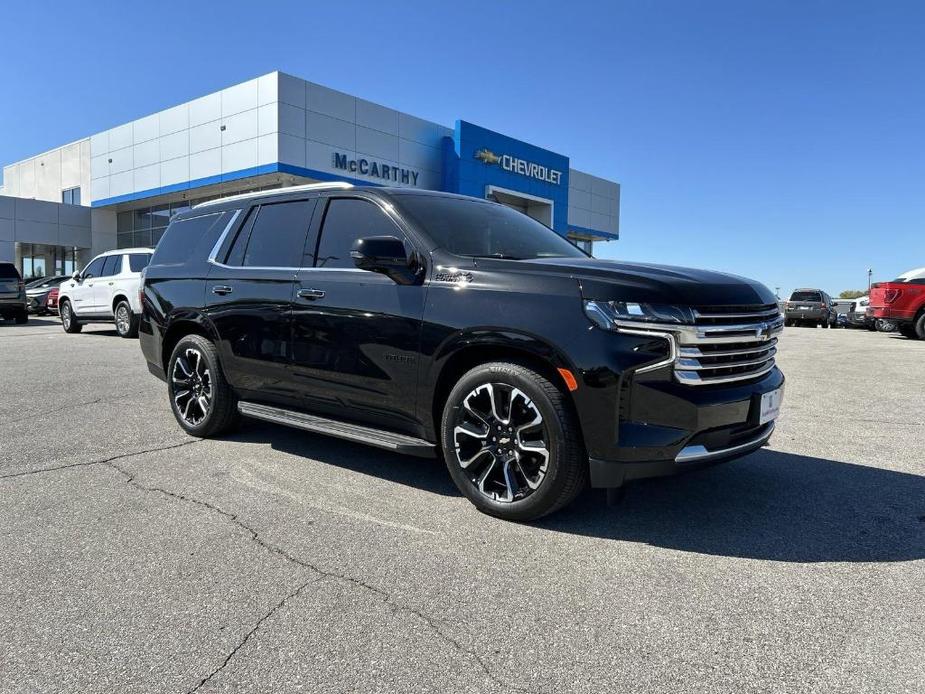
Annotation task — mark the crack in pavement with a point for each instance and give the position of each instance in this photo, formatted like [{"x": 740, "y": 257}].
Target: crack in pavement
[
  {"x": 323, "y": 574},
  {"x": 104, "y": 461},
  {"x": 278, "y": 606},
  {"x": 41, "y": 414}
]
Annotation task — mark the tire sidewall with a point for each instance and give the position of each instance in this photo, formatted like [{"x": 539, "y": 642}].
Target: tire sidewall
[{"x": 544, "y": 498}]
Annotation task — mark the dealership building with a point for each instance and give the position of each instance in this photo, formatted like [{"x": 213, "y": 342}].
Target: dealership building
[{"x": 120, "y": 187}]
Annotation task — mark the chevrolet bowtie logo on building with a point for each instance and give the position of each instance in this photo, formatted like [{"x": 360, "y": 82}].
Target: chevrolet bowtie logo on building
[
  {"x": 487, "y": 156},
  {"x": 520, "y": 166}
]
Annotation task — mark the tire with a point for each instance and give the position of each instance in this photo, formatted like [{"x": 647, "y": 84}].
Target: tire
[
  {"x": 920, "y": 326},
  {"x": 125, "y": 320},
  {"x": 825, "y": 324},
  {"x": 68, "y": 320},
  {"x": 22, "y": 318},
  {"x": 908, "y": 330},
  {"x": 211, "y": 407},
  {"x": 542, "y": 486},
  {"x": 788, "y": 323}
]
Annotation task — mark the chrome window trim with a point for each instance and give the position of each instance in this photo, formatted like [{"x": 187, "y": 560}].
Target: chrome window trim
[
  {"x": 221, "y": 238},
  {"x": 332, "y": 185}
]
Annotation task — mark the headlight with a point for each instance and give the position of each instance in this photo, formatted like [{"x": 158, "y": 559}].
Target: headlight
[{"x": 606, "y": 314}]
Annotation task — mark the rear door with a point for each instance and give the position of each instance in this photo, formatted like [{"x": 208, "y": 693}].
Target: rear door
[
  {"x": 356, "y": 334},
  {"x": 249, "y": 295},
  {"x": 103, "y": 289}
]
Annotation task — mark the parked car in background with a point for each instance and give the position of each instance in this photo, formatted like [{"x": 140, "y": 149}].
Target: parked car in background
[
  {"x": 12, "y": 294},
  {"x": 812, "y": 307},
  {"x": 38, "y": 291},
  {"x": 52, "y": 302},
  {"x": 106, "y": 290},
  {"x": 902, "y": 301},
  {"x": 438, "y": 324},
  {"x": 857, "y": 316}
]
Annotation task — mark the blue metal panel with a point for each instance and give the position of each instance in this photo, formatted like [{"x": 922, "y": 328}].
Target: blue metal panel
[{"x": 477, "y": 157}]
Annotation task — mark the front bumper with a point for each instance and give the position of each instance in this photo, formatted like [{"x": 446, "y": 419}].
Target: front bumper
[{"x": 665, "y": 428}]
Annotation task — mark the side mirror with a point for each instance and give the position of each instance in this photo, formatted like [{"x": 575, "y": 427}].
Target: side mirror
[
  {"x": 76, "y": 276},
  {"x": 387, "y": 256}
]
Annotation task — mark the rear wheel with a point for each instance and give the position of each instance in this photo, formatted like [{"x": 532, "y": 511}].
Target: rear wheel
[
  {"x": 22, "y": 318},
  {"x": 908, "y": 330},
  {"x": 68, "y": 320},
  {"x": 126, "y": 320},
  {"x": 511, "y": 442},
  {"x": 825, "y": 324},
  {"x": 920, "y": 326},
  {"x": 201, "y": 399}
]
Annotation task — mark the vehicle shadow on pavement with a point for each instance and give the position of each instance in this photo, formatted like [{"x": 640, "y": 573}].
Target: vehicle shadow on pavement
[
  {"x": 769, "y": 505},
  {"x": 427, "y": 474}
]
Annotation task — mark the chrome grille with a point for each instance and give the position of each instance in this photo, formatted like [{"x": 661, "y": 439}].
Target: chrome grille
[{"x": 727, "y": 344}]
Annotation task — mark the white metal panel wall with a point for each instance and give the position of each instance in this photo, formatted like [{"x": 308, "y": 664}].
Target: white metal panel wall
[
  {"x": 593, "y": 202},
  {"x": 45, "y": 176}
]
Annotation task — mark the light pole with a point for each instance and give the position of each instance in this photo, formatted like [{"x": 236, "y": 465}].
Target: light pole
[{"x": 869, "y": 273}]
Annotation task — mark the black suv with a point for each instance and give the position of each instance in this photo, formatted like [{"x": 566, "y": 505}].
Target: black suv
[
  {"x": 437, "y": 324},
  {"x": 12, "y": 294}
]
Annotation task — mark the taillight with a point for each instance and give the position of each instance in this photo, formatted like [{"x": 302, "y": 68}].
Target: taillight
[
  {"x": 22, "y": 285},
  {"x": 891, "y": 295}
]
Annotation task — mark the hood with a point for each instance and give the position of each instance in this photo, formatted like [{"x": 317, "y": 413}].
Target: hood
[{"x": 613, "y": 280}]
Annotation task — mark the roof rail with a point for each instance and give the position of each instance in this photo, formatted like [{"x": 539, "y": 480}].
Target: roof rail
[{"x": 332, "y": 185}]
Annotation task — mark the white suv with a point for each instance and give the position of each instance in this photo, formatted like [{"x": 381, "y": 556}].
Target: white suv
[{"x": 106, "y": 290}]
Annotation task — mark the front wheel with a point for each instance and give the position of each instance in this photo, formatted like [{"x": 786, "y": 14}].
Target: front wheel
[
  {"x": 22, "y": 318},
  {"x": 511, "y": 442},
  {"x": 126, "y": 320},
  {"x": 202, "y": 401},
  {"x": 68, "y": 320}
]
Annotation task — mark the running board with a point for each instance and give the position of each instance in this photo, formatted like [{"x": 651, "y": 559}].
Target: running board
[{"x": 342, "y": 430}]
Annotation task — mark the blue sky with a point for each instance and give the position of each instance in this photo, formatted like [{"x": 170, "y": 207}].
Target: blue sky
[{"x": 780, "y": 140}]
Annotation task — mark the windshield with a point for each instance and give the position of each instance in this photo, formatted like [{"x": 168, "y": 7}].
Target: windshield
[
  {"x": 806, "y": 296},
  {"x": 482, "y": 229}
]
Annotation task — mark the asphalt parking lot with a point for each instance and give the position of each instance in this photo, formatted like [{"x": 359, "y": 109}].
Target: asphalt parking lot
[{"x": 134, "y": 558}]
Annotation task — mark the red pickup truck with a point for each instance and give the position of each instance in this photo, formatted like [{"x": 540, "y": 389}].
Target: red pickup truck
[{"x": 902, "y": 301}]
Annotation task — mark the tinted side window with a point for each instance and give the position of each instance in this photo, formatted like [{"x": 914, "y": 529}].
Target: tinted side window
[
  {"x": 8, "y": 271},
  {"x": 345, "y": 221},
  {"x": 93, "y": 269},
  {"x": 138, "y": 261},
  {"x": 112, "y": 266},
  {"x": 277, "y": 236},
  {"x": 181, "y": 238}
]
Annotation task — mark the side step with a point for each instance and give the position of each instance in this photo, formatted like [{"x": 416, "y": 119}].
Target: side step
[{"x": 399, "y": 443}]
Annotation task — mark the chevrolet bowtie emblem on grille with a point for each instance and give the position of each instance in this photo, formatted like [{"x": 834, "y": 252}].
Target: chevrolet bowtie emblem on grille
[
  {"x": 763, "y": 331},
  {"x": 487, "y": 156}
]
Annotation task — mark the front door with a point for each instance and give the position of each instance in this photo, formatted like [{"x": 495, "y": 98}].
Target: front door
[
  {"x": 356, "y": 334},
  {"x": 249, "y": 295},
  {"x": 82, "y": 292}
]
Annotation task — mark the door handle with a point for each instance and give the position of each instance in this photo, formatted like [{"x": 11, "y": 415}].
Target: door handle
[
  {"x": 221, "y": 290},
  {"x": 311, "y": 294}
]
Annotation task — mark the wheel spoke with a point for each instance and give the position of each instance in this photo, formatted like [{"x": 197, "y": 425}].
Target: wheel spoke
[
  {"x": 510, "y": 483},
  {"x": 484, "y": 476},
  {"x": 465, "y": 464},
  {"x": 184, "y": 367},
  {"x": 203, "y": 404}
]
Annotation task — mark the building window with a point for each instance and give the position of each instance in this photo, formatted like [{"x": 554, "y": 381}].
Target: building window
[
  {"x": 71, "y": 196},
  {"x": 37, "y": 260}
]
